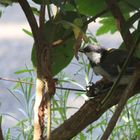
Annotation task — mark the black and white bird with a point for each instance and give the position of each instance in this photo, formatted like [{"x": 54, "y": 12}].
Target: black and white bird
[{"x": 108, "y": 63}]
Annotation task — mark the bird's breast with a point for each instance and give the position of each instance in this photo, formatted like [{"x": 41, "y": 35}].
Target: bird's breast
[{"x": 98, "y": 70}]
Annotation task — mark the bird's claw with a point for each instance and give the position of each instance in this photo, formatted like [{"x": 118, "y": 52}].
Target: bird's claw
[{"x": 98, "y": 88}]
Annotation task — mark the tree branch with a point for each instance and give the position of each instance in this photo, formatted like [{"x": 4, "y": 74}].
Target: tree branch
[
  {"x": 121, "y": 23},
  {"x": 42, "y": 16},
  {"x": 31, "y": 18},
  {"x": 87, "y": 114},
  {"x": 125, "y": 96}
]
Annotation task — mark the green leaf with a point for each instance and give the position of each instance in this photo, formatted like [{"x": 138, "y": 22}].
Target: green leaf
[
  {"x": 62, "y": 54},
  {"x": 7, "y": 137},
  {"x": 35, "y": 11},
  {"x": 77, "y": 31},
  {"x": 24, "y": 71},
  {"x": 90, "y": 7},
  {"x": 93, "y": 7},
  {"x": 69, "y": 7},
  {"x": 5, "y": 3},
  {"x": 82, "y": 136},
  {"x": 0, "y": 120},
  {"x": 78, "y": 22},
  {"x": 27, "y": 32},
  {"x": 108, "y": 25}
]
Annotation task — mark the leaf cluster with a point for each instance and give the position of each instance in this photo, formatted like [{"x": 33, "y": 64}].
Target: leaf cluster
[{"x": 65, "y": 29}]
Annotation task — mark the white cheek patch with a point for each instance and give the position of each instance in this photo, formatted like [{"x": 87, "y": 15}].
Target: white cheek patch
[{"x": 94, "y": 57}]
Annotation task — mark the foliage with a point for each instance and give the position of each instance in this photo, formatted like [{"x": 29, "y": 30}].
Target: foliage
[
  {"x": 64, "y": 31},
  {"x": 87, "y": 8},
  {"x": 56, "y": 30},
  {"x": 24, "y": 95}
]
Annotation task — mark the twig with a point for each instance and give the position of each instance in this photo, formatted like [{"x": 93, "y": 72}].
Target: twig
[
  {"x": 60, "y": 42},
  {"x": 127, "y": 93},
  {"x": 72, "y": 89},
  {"x": 104, "y": 11},
  {"x": 19, "y": 81},
  {"x": 15, "y": 81},
  {"x": 121, "y": 23}
]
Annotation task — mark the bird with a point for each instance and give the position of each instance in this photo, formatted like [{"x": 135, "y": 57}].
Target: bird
[{"x": 108, "y": 62}]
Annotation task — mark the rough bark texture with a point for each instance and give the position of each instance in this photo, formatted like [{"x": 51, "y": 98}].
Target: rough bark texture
[{"x": 87, "y": 114}]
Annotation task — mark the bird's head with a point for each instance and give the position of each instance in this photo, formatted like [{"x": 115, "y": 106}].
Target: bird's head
[{"x": 94, "y": 53}]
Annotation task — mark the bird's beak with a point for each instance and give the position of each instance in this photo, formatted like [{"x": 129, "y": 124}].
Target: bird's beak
[{"x": 81, "y": 50}]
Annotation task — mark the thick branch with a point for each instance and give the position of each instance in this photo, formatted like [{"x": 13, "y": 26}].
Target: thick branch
[{"x": 87, "y": 114}]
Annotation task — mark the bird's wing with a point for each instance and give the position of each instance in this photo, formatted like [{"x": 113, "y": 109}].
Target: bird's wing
[{"x": 113, "y": 62}]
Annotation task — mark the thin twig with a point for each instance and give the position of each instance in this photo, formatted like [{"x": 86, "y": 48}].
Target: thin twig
[
  {"x": 19, "y": 81},
  {"x": 104, "y": 11},
  {"x": 15, "y": 81}
]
